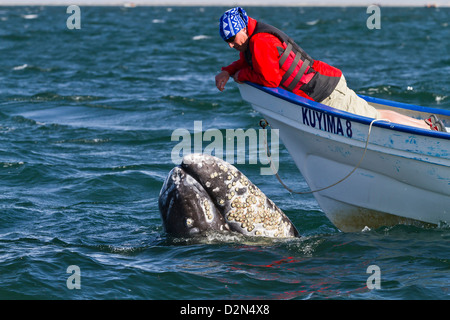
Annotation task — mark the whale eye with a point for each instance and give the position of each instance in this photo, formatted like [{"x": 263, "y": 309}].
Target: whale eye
[{"x": 189, "y": 222}]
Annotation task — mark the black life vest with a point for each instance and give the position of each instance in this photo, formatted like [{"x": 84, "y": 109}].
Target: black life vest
[{"x": 297, "y": 65}]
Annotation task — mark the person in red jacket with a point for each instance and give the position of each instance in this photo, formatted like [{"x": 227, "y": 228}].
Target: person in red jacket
[{"x": 270, "y": 58}]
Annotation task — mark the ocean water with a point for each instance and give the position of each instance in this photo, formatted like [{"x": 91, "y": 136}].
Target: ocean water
[{"x": 86, "y": 120}]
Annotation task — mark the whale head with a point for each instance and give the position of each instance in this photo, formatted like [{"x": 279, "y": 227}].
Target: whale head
[{"x": 205, "y": 193}]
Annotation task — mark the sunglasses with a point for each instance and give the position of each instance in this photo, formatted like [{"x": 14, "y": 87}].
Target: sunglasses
[{"x": 231, "y": 39}]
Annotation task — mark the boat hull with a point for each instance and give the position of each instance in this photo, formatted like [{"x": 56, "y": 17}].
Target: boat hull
[{"x": 404, "y": 175}]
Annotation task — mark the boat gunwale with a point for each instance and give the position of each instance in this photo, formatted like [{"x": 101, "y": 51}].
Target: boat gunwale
[{"x": 298, "y": 100}]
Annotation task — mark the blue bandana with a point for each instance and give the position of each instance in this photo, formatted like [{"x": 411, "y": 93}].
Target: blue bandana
[{"x": 232, "y": 21}]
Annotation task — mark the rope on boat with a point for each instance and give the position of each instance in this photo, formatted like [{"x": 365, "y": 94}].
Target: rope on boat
[{"x": 263, "y": 123}]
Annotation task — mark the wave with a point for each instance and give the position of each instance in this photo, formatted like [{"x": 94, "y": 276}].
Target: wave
[
  {"x": 30, "y": 68},
  {"x": 24, "y": 66},
  {"x": 30, "y": 16},
  {"x": 12, "y": 164},
  {"x": 52, "y": 96},
  {"x": 408, "y": 94},
  {"x": 313, "y": 22},
  {"x": 201, "y": 37}
]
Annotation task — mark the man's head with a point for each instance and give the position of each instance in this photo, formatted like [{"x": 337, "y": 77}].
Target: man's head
[
  {"x": 239, "y": 41},
  {"x": 233, "y": 28}
]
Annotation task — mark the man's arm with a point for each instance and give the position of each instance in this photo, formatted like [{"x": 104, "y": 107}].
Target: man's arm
[
  {"x": 231, "y": 70},
  {"x": 236, "y": 65}
]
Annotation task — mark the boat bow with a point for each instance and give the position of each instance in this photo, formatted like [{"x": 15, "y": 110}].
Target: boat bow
[{"x": 403, "y": 178}]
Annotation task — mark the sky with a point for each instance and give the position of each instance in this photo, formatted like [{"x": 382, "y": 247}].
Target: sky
[{"x": 232, "y": 3}]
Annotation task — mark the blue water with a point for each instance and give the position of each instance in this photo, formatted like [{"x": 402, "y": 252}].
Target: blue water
[{"x": 86, "y": 120}]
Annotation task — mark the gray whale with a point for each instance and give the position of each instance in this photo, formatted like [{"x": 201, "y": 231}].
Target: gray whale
[{"x": 205, "y": 193}]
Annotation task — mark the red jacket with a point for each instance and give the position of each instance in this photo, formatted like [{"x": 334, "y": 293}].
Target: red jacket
[{"x": 265, "y": 57}]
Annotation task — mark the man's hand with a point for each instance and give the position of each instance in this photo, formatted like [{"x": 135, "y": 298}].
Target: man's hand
[{"x": 222, "y": 79}]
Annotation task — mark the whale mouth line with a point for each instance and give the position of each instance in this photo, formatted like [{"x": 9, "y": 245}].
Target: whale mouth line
[
  {"x": 206, "y": 185},
  {"x": 218, "y": 212}
]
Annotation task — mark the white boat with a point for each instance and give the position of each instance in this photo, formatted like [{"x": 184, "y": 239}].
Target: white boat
[{"x": 404, "y": 175}]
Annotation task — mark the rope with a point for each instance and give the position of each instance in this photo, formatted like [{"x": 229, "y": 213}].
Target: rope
[{"x": 263, "y": 123}]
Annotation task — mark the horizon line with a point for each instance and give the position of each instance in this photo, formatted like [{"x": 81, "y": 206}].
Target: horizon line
[{"x": 248, "y": 3}]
